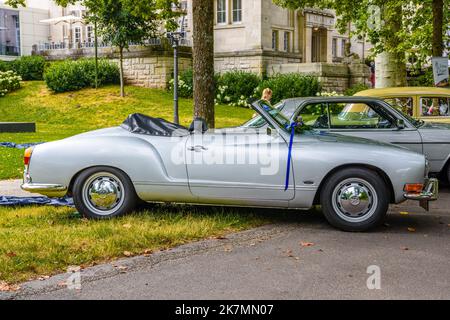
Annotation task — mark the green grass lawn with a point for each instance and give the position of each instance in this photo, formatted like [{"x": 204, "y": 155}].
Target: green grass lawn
[
  {"x": 44, "y": 240},
  {"x": 38, "y": 241},
  {"x": 62, "y": 115}
]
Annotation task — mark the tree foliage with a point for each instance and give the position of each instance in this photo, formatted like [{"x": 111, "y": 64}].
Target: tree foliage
[{"x": 379, "y": 22}]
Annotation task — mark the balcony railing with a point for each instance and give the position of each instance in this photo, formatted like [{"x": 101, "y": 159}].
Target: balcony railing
[{"x": 64, "y": 45}]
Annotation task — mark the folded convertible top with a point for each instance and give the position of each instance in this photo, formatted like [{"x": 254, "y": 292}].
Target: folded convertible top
[{"x": 142, "y": 124}]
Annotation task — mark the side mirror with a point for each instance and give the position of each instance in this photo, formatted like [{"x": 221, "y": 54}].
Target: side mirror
[{"x": 401, "y": 124}]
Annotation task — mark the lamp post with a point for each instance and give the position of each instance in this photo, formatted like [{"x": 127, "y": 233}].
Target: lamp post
[{"x": 175, "y": 40}]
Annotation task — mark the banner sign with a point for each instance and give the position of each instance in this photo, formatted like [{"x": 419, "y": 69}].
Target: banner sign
[{"x": 440, "y": 69}]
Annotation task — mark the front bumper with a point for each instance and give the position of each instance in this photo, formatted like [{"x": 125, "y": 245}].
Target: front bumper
[
  {"x": 429, "y": 193},
  {"x": 50, "y": 190}
]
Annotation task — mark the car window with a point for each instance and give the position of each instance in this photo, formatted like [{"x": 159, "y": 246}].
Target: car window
[
  {"x": 315, "y": 116},
  {"x": 434, "y": 107},
  {"x": 357, "y": 116},
  {"x": 257, "y": 121},
  {"x": 403, "y": 104}
]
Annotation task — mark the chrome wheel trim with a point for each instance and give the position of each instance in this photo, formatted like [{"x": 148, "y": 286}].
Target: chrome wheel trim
[
  {"x": 354, "y": 200},
  {"x": 103, "y": 193}
]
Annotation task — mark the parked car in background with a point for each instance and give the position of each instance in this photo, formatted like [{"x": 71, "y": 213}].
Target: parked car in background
[
  {"x": 374, "y": 119},
  {"x": 278, "y": 166},
  {"x": 430, "y": 104}
]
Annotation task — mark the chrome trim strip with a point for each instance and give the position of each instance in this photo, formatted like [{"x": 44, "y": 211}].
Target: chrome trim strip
[{"x": 42, "y": 187}]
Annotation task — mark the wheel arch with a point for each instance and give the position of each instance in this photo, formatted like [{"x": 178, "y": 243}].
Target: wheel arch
[{"x": 375, "y": 169}]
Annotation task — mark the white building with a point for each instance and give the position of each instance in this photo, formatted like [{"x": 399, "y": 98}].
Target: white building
[{"x": 21, "y": 28}]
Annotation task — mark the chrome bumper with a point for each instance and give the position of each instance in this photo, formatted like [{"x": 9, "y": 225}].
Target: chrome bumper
[
  {"x": 54, "y": 190},
  {"x": 430, "y": 193}
]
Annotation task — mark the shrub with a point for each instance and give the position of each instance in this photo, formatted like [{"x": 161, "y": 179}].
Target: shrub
[
  {"x": 29, "y": 67},
  {"x": 355, "y": 89},
  {"x": 5, "y": 66},
  {"x": 424, "y": 79},
  {"x": 290, "y": 85},
  {"x": 185, "y": 84},
  {"x": 236, "y": 87},
  {"x": 75, "y": 75},
  {"x": 9, "y": 81}
]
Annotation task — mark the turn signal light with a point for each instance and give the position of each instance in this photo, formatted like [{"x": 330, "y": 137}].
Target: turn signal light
[
  {"x": 27, "y": 156},
  {"x": 414, "y": 188}
]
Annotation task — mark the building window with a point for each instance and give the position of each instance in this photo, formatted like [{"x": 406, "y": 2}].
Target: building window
[
  {"x": 237, "y": 10},
  {"x": 9, "y": 32},
  {"x": 221, "y": 11},
  {"x": 334, "y": 48},
  {"x": 343, "y": 44},
  {"x": 275, "y": 40},
  {"x": 77, "y": 34},
  {"x": 90, "y": 34},
  {"x": 287, "y": 41}
]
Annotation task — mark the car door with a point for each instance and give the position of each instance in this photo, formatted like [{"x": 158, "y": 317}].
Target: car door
[
  {"x": 373, "y": 121},
  {"x": 238, "y": 164}
]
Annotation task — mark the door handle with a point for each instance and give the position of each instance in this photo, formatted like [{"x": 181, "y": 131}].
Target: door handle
[{"x": 197, "y": 148}]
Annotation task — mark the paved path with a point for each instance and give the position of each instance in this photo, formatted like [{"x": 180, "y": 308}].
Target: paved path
[
  {"x": 271, "y": 263},
  {"x": 12, "y": 188}
]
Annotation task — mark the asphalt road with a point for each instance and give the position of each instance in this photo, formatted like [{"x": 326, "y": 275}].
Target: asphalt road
[{"x": 272, "y": 263}]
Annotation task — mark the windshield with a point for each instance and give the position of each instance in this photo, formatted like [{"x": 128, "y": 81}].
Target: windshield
[
  {"x": 276, "y": 114},
  {"x": 286, "y": 109}
]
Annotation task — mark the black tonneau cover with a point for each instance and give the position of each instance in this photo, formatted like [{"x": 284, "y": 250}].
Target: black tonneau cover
[{"x": 142, "y": 124}]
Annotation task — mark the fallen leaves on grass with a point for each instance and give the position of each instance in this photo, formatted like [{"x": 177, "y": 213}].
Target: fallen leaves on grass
[
  {"x": 127, "y": 253},
  {"x": 306, "y": 244},
  {"x": 127, "y": 226},
  {"x": 5, "y": 287}
]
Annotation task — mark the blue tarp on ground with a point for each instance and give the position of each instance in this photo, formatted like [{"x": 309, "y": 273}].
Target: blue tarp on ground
[
  {"x": 28, "y": 201},
  {"x": 18, "y": 146}
]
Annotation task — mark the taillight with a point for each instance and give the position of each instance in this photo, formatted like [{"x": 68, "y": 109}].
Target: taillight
[
  {"x": 414, "y": 188},
  {"x": 27, "y": 156}
]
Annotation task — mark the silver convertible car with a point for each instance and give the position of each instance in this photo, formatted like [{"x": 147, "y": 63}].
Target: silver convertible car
[
  {"x": 372, "y": 119},
  {"x": 283, "y": 165}
]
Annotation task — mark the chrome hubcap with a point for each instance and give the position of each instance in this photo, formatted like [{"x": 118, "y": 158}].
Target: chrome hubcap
[
  {"x": 355, "y": 200},
  {"x": 103, "y": 193}
]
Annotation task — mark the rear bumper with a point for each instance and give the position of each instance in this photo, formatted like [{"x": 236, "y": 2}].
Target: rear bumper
[
  {"x": 51, "y": 190},
  {"x": 429, "y": 193}
]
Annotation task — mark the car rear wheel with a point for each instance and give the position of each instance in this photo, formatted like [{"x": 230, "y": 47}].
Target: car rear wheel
[
  {"x": 103, "y": 193},
  {"x": 355, "y": 199}
]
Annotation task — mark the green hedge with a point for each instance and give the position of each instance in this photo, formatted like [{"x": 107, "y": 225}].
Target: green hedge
[
  {"x": 9, "y": 81},
  {"x": 75, "y": 75},
  {"x": 29, "y": 67},
  {"x": 290, "y": 85},
  {"x": 236, "y": 87}
]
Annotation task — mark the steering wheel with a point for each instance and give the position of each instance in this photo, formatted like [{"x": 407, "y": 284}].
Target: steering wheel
[{"x": 321, "y": 122}]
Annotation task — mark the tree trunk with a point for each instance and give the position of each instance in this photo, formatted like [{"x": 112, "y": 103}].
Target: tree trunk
[
  {"x": 203, "y": 59},
  {"x": 438, "y": 20},
  {"x": 390, "y": 66},
  {"x": 122, "y": 82}
]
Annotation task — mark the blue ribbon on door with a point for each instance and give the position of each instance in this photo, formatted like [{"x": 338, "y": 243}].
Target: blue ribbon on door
[{"x": 291, "y": 142}]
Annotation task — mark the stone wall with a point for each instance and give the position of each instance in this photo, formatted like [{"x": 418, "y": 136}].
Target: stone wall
[
  {"x": 252, "y": 61},
  {"x": 333, "y": 76},
  {"x": 149, "y": 66}
]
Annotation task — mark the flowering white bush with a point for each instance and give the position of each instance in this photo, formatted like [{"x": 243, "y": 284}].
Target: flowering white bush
[
  {"x": 9, "y": 81},
  {"x": 329, "y": 94}
]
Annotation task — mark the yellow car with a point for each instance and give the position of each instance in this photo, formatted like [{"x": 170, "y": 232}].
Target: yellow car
[{"x": 426, "y": 103}]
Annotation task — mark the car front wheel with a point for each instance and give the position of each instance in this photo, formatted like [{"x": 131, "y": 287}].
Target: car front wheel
[
  {"x": 355, "y": 199},
  {"x": 103, "y": 193}
]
